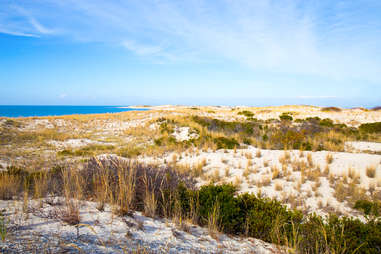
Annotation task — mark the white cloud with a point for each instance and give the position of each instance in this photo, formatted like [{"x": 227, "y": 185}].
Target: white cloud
[
  {"x": 326, "y": 39},
  {"x": 39, "y": 27},
  {"x": 16, "y": 33},
  {"x": 141, "y": 49}
]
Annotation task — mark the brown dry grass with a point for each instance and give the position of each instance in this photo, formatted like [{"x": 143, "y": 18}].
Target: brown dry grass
[{"x": 371, "y": 171}]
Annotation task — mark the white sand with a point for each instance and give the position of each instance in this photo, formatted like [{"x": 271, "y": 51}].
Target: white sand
[
  {"x": 236, "y": 164},
  {"x": 103, "y": 232},
  {"x": 363, "y": 146},
  {"x": 75, "y": 143},
  {"x": 183, "y": 134}
]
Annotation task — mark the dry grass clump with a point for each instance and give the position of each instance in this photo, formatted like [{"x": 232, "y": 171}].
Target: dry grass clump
[
  {"x": 237, "y": 181},
  {"x": 332, "y": 178},
  {"x": 70, "y": 213},
  {"x": 125, "y": 190},
  {"x": 135, "y": 186},
  {"x": 248, "y": 155},
  {"x": 353, "y": 175},
  {"x": 246, "y": 173},
  {"x": 316, "y": 185},
  {"x": 213, "y": 221},
  {"x": 73, "y": 192},
  {"x": 326, "y": 171},
  {"x": 150, "y": 200},
  {"x": 313, "y": 174},
  {"x": 266, "y": 181},
  {"x": 329, "y": 158},
  {"x": 198, "y": 169},
  {"x": 371, "y": 171},
  {"x": 350, "y": 192},
  {"x": 174, "y": 158},
  {"x": 309, "y": 160},
  {"x": 224, "y": 160},
  {"x": 258, "y": 153},
  {"x": 227, "y": 172},
  {"x": 299, "y": 165},
  {"x": 10, "y": 186},
  {"x": 278, "y": 186},
  {"x": 215, "y": 177},
  {"x": 275, "y": 172}
]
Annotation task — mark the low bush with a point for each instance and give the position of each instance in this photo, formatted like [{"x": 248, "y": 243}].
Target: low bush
[
  {"x": 246, "y": 113},
  {"x": 285, "y": 117},
  {"x": 369, "y": 208},
  {"x": 89, "y": 150},
  {"x": 218, "y": 206},
  {"x": 225, "y": 143},
  {"x": 223, "y": 195},
  {"x": 326, "y": 122},
  {"x": 266, "y": 219},
  {"x": 331, "y": 109},
  {"x": 370, "y": 127}
]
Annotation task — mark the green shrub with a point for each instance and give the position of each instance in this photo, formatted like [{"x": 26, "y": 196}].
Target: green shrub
[
  {"x": 129, "y": 152},
  {"x": 285, "y": 117},
  {"x": 216, "y": 125},
  {"x": 331, "y": 109},
  {"x": 225, "y": 143},
  {"x": 371, "y": 127},
  {"x": 158, "y": 141},
  {"x": 66, "y": 152},
  {"x": 86, "y": 151},
  {"x": 246, "y": 113},
  {"x": 261, "y": 216},
  {"x": 210, "y": 195},
  {"x": 369, "y": 208},
  {"x": 326, "y": 122},
  {"x": 166, "y": 128},
  {"x": 270, "y": 221}
]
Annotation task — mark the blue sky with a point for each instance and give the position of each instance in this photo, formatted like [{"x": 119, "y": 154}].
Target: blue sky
[{"x": 232, "y": 52}]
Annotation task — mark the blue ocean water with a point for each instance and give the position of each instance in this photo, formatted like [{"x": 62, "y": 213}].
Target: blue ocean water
[{"x": 27, "y": 111}]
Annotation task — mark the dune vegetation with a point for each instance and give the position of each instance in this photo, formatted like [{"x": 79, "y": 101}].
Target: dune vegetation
[{"x": 305, "y": 179}]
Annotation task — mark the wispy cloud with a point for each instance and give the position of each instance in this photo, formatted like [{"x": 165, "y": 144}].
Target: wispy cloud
[
  {"x": 18, "y": 21},
  {"x": 39, "y": 27},
  {"x": 338, "y": 40},
  {"x": 141, "y": 49},
  {"x": 16, "y": 33}
]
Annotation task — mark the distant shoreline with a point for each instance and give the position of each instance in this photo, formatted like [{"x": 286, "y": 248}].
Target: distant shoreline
[{"x": 52, "y": 111}]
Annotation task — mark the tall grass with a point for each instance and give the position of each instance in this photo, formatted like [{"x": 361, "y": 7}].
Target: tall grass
[
  {"x": 3, "y": 228},
  {"x": 150, "y": 200},
  {"x": 166, "y": 192},
  {"x": 10, "y": 185},
  {"x": 125, "y": 189},
  {"x": 213, "y": 221}
]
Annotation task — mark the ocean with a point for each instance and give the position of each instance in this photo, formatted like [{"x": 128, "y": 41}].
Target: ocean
[{"x": 28, "y": 111}]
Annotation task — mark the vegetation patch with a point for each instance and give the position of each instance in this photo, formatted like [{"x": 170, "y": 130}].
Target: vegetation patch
[
  {"x": 89, "y": 150},
  {"x": 331, "y": 109},
  {"x": 226, "y": 143},
  {"x": 370, "y": 127}
]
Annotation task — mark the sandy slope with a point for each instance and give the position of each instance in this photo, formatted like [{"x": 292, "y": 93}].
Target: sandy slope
[{"x": 40, "y": 229}]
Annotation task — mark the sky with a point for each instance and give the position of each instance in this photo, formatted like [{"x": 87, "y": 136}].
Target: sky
[{"x": 193, "y": 52}]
